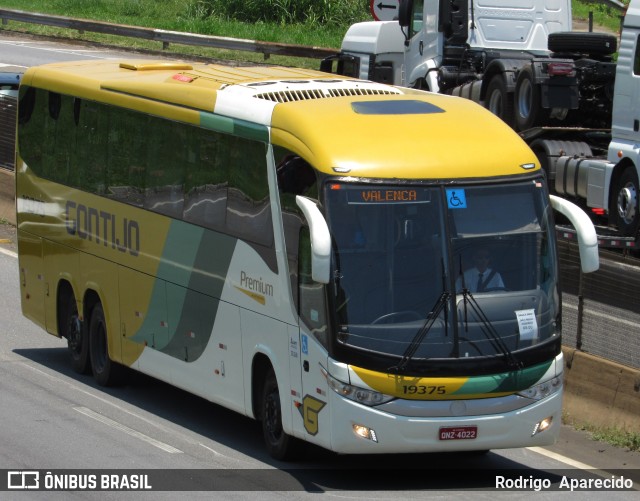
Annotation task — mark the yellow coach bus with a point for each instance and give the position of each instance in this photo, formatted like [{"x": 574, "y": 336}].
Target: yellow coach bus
[{"x": 368, "y": 268}]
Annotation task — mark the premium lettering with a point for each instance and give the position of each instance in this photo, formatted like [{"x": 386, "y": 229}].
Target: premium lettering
[{"x": 255, "y": 285}]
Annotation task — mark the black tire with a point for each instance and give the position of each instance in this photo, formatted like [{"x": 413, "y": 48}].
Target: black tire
[
  {"x": 600, "y": 44},
  {"x": 498, "y": 101},
  {"x": 105, "y": 371},
  {"x": 528, "y": 103},
  {"x": 77, "y": 337},
  {"x": 280, "y": 446},
  {"x": 625, "y": 202}
]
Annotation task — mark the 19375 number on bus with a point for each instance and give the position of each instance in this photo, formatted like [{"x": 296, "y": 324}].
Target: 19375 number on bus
[{"x": 423, "y": 390}]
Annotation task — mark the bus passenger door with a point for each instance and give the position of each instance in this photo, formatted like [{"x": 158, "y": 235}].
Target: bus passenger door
[{"x": 313, "y": 341}]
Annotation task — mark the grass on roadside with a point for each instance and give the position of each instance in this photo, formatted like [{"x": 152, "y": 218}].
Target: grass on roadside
[
  {"x": 603, "y": 15},
  {"x": 611, "y": 435},
  {"x": 182, "y": 16},
  {"x": 327, "y": 22}
]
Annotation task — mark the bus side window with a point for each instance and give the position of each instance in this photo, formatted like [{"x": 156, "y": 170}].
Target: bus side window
[
  {"x": 61, "y": 155},
  {"x": 312, "y": 306},
  {"x": 93, "y": 123},
  {"x": 30, "y": 128},
  {"x": 295, "y": 177},
  {"x": 26, "y": 106},
  {"x": 165, "y": 172}
]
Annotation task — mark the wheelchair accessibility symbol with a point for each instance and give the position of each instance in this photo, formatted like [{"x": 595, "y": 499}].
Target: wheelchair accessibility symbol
[{"x": 456, "y": 198}]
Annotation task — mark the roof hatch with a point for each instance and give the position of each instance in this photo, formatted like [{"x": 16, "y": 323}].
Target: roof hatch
[{"x": 155, "y": 66}]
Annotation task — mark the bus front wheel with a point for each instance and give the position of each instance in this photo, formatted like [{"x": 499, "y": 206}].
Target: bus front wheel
[
  {"x": 279, "y": 445},
  {"x": 105, "y": 371}
]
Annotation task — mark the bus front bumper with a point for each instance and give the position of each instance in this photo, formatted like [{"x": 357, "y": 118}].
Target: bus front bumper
[{"x": 358, "y": 429}]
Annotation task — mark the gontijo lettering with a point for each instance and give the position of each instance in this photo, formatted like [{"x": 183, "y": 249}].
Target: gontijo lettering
[{"x": 101, "y": 226}]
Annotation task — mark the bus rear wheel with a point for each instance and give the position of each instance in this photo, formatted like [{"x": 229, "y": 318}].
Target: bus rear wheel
[
  {"x": 279, "y": 445},
  {"x": 76, "y": 335},
  {"x": 105, "y": 371}
]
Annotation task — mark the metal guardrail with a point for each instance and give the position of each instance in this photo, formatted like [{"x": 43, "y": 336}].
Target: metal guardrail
[
  {"x": 167, "y": 37},
  {"x": 615, "y": 4}
]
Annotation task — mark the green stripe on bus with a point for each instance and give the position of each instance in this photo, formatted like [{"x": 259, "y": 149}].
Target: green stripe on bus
[
  {"x": 233, "y": 126},
  {"x": 505, "y": 382},
  {"x": 187, "y": 291}
]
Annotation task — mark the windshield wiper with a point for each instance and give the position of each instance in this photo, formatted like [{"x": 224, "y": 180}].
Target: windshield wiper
[
  {"x": 488, "y": 329},
  {"x": 434, "y": 313},
  {"x": 491, "y": 333}
]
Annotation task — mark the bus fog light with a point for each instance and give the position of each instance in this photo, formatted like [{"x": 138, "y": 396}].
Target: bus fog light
[
  {"x": 365, "y": 432},
  {"x": 542, "y": 425}
]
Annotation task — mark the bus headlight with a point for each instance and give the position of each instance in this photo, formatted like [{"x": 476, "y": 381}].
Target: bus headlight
[
  {"x": 355, "y": 393},
  {"x": 543, "y": 390}
]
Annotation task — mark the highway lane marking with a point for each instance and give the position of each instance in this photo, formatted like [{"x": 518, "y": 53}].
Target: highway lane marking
[
  {"x": 9, "y": 253},
  {"x": 220, "y": 455},
  {"x": 125, "y": 429},
  {"x": 103, "y": 400},
  {"x": 80, "y": 52},
  {"x": 566, "y": 460},
  {"x": 155, "y": 424},
  {"x": 3, "y": 65},
  {"x": 576, "y": 464},
  {"x": 215, "y": 453}
]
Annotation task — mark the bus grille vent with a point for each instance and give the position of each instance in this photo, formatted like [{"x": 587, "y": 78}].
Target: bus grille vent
[{"x": 285, "y": 96}]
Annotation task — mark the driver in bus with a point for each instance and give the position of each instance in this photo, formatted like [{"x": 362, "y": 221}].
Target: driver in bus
[{"x": 480, "y": 277}]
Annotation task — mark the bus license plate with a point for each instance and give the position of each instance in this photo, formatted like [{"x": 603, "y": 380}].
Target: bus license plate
[{"x": 459, "y": 433}]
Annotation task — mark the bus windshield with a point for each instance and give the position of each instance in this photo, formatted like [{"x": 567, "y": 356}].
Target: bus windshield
[{"x": 434, "y": 272}]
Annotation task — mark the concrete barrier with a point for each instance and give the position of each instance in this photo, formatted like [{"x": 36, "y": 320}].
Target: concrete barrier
[
  {"x": 600, "y": 393},
  {"x": 7, "y": 196}
]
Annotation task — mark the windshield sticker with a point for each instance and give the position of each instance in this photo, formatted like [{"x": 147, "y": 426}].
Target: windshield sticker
[
  {"x": 456, "y": 198},
  {"x": 527, "y": 324}
]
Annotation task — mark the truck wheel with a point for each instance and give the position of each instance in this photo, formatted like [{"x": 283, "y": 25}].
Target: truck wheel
[
  {"x": 105, "y": 371},
  {"x": 529, "y": 112},
  {"x": 597, "y": 44},
  {"x": 498, "y": 101},
  {"x": 626, "y": 202},
  {"x": 279, "y": 445},
  {"x": 76, "y": 335}
]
